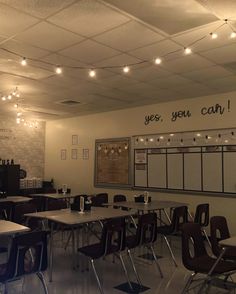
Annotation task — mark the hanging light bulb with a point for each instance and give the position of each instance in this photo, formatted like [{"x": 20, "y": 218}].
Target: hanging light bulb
[
  {"x": 141, "y": 140},
  {"x": 146, "y": 141},
  {"x": 181, "y": 142},
  {"x": 151, "y": 139},
  {"x": 92, "y": 73},
  {"x": 19, "y": 113},
  {"x": 214, "y": 35},
  {"x": 58, "y": 70},
  {"x": 3, "y": 98},
  {"x": 218, "y": 139},
  {"x": 136, "y": 141},
  {"x": 168, "y": 142},
  {"x": 162, "y": 137},
  {"x": 23, "y": 61},
  {"x": 198, "y": 135},
  {"x": 112, "y": 150},
  {"x": 9, "y": 97},
  {"x": 126, "y": 146},
  {"x": 18, "y": 120},
  {"x": 232, "y": 135},
  {"x": 158, "y": 61},
  {"x": 106, "y": 150},
  {"x": 194, "y": 141},
  {"x": 126, "y": 69},
  {"x": 233, "y": 35},
  {"x": 119, "y": 149},
  {"x": 158, "y": 142},
  {"x": 16, "y": 105},
  {"x": 99, "y": 148},
  {"x": 187, "y": 50},
  {"x": 17, "y": 95},
  {"x": 172, "y": 135}
]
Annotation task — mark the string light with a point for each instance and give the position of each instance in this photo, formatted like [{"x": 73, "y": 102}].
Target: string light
[
  {"x": 23, "y": 61},
  {"x": 194, "y": 141},
  {"x": 214, "y": 35},
  {"x": 126, "y": 69},
  {"x": 3, "y": 98},
  {"x": 58, "y": 70},
  {"x": 92, "y": 73},
  {"x": 158, "y": 60},
  {"x": 187, "y": 50}
]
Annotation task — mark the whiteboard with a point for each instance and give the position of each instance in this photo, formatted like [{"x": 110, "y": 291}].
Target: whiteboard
[
  {"x": 192, "y": 171},
  {"x": 141, "y": 175},
  {"x": 212, "y": 171},
  {"x": 230, "y": 172},
  {"x": 157, "y": 170},
  {"x": 175, "y": 171}
]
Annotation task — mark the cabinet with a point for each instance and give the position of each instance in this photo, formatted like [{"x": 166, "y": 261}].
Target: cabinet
[{"x": 10, "y": 179}]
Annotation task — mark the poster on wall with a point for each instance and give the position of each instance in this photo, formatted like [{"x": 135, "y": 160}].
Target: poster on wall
[{"x": 112, "y": 162}]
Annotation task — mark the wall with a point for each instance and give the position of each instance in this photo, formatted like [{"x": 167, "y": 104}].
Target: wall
[
  {"x": 23, "y": 144},
  {"x": 210, "y": 112}
]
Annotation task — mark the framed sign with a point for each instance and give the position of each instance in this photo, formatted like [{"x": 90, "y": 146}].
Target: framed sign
[
  {"x": 74, "y": 153},
  {"x": 63, "y": 154},
  {"x": 112, "y": 162},
  {"x": 74, "y": 139}
]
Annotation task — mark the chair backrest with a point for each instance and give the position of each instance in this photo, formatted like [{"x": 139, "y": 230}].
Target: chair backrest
[
  {"x": 219, "y": 230},
  {"x": 77, "y": 198},
  {"x": 28, "y": 254},
  {"x": 192, "y": 245},
  {"x": 113, "y": 236},
  {"x": 119, "y": 198},
  {"x": 146, "y": 229},
  {"x": 20, "y": 210},
  {"x": 202, "y": 215},
  {"x": 56, "y": 204},
  {"x": 179, "y": 217},
  {"x": 99, "y": 199}
]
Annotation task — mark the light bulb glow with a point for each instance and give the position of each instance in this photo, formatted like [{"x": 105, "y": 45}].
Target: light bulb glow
[
  {"x": 23, "y": 61},
  {"x": 58, "y": 70},
  {"x": 126, "y": 69},
  {"x": 233, "y": 35},
  {"x": 16, "y": 105},
  {"x": 92, "y": 73},
  {"x": 214, "y": 35},
  {"x": 187, "y": 50},
  {"x": 158, "y": 60},
  {"x": 3, "y": 98},
  {"x": 9, "y": 97}
]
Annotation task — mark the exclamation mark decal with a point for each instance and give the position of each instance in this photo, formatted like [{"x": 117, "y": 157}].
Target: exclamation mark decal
[{"x": 228, "y": 105}]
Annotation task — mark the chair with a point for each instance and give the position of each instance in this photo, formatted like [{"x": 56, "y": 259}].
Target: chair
[
  {"x": 28, "y": 255},
  {"x": 112, "y": 242},
  {"x": 146, "y": 235},
  {"x": 179, "y": 217},
  {"x": 99, "y": 199},
  {"x": 195, "y": 258},
  {"x": 220, "y": 231},
  {"x": 56, "y": 204},
  {"x": 19, "y": 215},
  {"x": 201, "y": 217},
  {"x": 119, "y": 198},
  {"x": 6, "y": 210}
]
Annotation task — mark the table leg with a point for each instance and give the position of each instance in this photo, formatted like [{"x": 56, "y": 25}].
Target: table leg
[{"x": 51, "y": 253}]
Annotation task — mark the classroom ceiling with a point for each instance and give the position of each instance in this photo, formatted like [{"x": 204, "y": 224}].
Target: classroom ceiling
[{"x": 105, "y": 36}]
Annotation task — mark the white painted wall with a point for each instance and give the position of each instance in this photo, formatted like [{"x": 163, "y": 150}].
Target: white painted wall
[{"x": 78, "y": 174}]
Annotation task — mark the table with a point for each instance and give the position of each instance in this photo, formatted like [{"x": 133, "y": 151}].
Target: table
[
  {"x": 55, "y": 195},
  {"x": 15, "y": 199},
  {"x": 73, "y": 219},
  {"x": 154, "y": 205},
  {"x": 10, "y": 228}
]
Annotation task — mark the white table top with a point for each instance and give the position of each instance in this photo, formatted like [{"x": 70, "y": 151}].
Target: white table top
[
  {"x": 68, "y": 217},
  {"x": 230, "y": 242},
  {"x": 153, "y": 205},
  {"x": 9, "y": 228},
  {"x": 54, "y": 195},
  {"x": 16, "y": 199}
]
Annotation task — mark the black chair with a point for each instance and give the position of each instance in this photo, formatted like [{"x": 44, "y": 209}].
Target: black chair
[
  {"x": 219, "y": 231},
  {"x": 146, "y": 235},
  {"x": 19, "y": 215},
  {"x": 201, "y": 217},
  {"x": 99, "y": 199},
  {"x": 195, "y": 258},
  {"x": 56, "y": 204},
  {"x": 119, "y": 198},
  {"x": 112, "y": 242},
  {"x": 28, "y": 255},
  {"x": 179, "y": 217}
]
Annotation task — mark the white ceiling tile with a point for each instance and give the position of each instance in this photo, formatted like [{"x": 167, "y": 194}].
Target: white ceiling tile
[
  {"x": 127, "y": 37},
  {"x": 149, "y": 73},
  {"x": 24, "y": 49},
  {"x": 195, "y": 90},
  {"x": 13, "y": 21},
  {"x": 158, "y": 49},
  {"x": 169, "y": 16},
  {"x": 222, "y": 55},
  {"x": 119, "y": 81},
  {"x": 141, "y": 88},
  {"x": 187, "y": 63},
  {"x": 50, "y": 37},
  {"x": 38, "y": 8},
  {"x": 88, "y": 18},
  {"x": 171, "y": 82},
  {"x": 207, "y": 74},
  {"x": 89, "y": 52},
  {"x": 224, "y": 9},
  {"x": 226, "y": 84}
]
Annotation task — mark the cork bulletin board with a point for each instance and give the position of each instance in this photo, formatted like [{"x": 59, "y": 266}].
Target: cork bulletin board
[{"x": 112, "y": 162}]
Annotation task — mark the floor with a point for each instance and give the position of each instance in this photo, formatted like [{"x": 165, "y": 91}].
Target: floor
[{"x": 82, "y": 281}]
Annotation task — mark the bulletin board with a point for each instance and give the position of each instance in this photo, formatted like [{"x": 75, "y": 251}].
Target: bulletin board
[
  {"x": 182, "y": 163},
  {"x": 112, "y": 163}
]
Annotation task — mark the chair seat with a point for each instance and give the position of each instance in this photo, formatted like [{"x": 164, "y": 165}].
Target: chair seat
[
  {"x": 131, "y": 241},
  {"x": 204, "y": 263},
  {"x": 165, "y": 230},
  {"x": 96, "y": 251}
]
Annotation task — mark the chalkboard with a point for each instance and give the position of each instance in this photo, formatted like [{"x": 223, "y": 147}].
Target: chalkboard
[{"x": 206, "y": 168}]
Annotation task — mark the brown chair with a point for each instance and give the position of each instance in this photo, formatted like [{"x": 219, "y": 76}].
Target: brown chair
[
  {"x": 195, "y": 258},
  {"x": 220, "y": 231},
  {"x": 179, "y": 217}
]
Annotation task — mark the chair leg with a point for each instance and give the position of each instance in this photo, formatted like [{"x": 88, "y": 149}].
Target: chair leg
[
  {"x": 189, "y": 282},
  {"x": 42, "y": 279},
  {"x": 156, "y": 261},
  {"x": 205, "y": 233},
  {"x": 96, "y": 276},
  {"x": 134, "y": 267},
  {"x": 125, "y": 270},
  {"x": 171, "y": 252}
]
